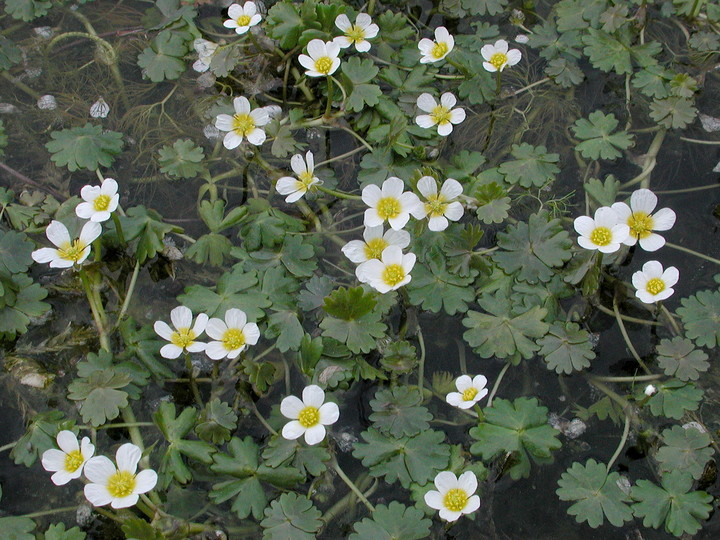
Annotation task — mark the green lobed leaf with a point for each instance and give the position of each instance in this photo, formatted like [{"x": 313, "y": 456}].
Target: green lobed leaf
[
  {"x": 17, "y": 528},
  {"x": 673, "y": 112},
  {"x": 566, "y": 348},
  {"x": 139, "y": 529},
  {"x": 606, "y": 53},
  {"x": 435, "y": 288},
  {"x": 686, "y": 449},
  {"x": 163, "y": 60},
  {"x": 58, "y": 532},
  {"x": 146, "y": 226},
  {"x": 10, "y": 54},
  {"x": 87, "y": 147},
  {"x": 700, "y": 314},
  {"x": 101, "y": 395},
  {"x": 217, "y": 422},
  {"x": 679, "y": 358},
  {"x": 26, "y": 304},
  {"x": 27, "y": 10},
  {"x": 674, "y": 398},
  {"x": 393, "y": 522},
  {"x": 292, "y": 516},
  {"x": 398, "y": 411},
  {"x": 359, "y": 72},
  {"x": 532, "y": 166},
  {"x": 39, "y": 437},
  {"x": 598, "y": 139},
  {"x": 181, "y": 160},
  {"x": 281, "y": 452}
]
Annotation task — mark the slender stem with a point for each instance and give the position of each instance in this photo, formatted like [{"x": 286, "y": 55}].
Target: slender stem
[
  {"x": 685, "y": 190},
  {"x": 50, "y": 512},
  {"x": 461, "y": 356},
  {"x": 119, "y": 229},
  {"x": 119, "y": 425},
  {"x": 340, "y": 157},
  {"x": 339, "y": 194},
  {"x": 457, "y": 65},
  {"x": 351, "y": 485},
  {"x": 104, "y": 341},
  {"x": 421, "y": 362},
  {"x": 624, "y": 404},
  {"x": 627, "y": 318},
  {"x": 261, "y": 418},
  {"x": 497, "y": 383},
  {"x": 129, "y": 293},
  {"x": 19, "y": 84},
  {"x": 670, "y": 318},
  {"x": 625, "y": 336},
  {"x": 632, "y": 379},
  {"x": 193, "y": 384},
  {"x": 691, "y": 252},
  {"x": 132, "y": 426},
  {"x": 650, "y": 160},
  {"x": 621, "y": 445},
  {"x": 698, "y": 141},
  {"x": 328, "y": 107},
  {"x": 8, "y": 446},
  {"x": 529, "y": 86}
]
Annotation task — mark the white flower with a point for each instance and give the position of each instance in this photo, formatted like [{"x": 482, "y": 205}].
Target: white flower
[
  {"x": 100, "y": 201},
  {"x": 432, "y": 51},
  {"x": 498, "y": 57},
  {"x": 99, "y": 109},
  {"x": 639, "y": 217},
  {"x": 47, "y": 103},
  {"x": 357, "y": 33},
  {"x": 68, "y": 462},
  {"x": 295, "y": 188},
  {"x": 245, "y": 123},
  {"x": 185, "y": 333},
  {"x": 470, "y": 391},
  {"x": 322, "y": 60},
  {"x": 443, "y": 115},
  {"x": 233, "y": 335},
  {"x": 603, "y": 233},
  {"x": 654, "y": 285},
  {"x": 389, "y": 203},
  {"x": 68, "y": 252},
  {"x": 242, "y": 17},
  {"x": 120, "y": 487},
  {"x": 440, "y": 207},
  {"x": 205, "y": 49},
  {"x": 650, "y": 390},
  {"x": 389, "y": 273},
  {"x": 455, "y": 496},
  {"x": 309, "y": 416},
  {"x": 375, "y": 242}
]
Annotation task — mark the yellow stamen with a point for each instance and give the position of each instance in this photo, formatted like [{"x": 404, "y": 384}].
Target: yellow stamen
[
  {"x": 183, "y": 337},
  {"x": 439, "y": 50},
  {"x": 73, "y": 460},
  {"x": 498, "y": 60},
  {"x": 233, "y": 339},
  {"x": 440, "y": 115},
  {"x": 355, "y": 34},
  {"x": 121, "y": 484},
  {"x": 655, "y": 286},
  {"x": 309, "y": 417},
  {"x": 641, "y": 224},
  {"x": 306, "y": 179},
  {"x": 601, "y": 236},
  {"x": 243, "y": 20},
  {"x": 243, "y": 124},
  {"x": 101, "y": 203},
  {"x": 393, "y": 274},
  {"x": 72, "y": 251},
  {"x": 455, "y": 500},
  {"x": 374, "y": 247},
  {"x": 469, "y": 394},
  {"x": 388, "y": 207},
  {"x": 435, "y": 206},
  {"x": 323, "y": 65}
]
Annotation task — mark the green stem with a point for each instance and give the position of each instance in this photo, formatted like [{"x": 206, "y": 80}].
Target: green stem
[
  {"x": 8, "y": 446},
  {"x": 649, "y": 164},
  {"x": 632, "y": 379},
  {"x": 351, "y": 485},
  {"x": 119, "y": 425},
  {"x": 621, "y": 445},
  {"x": 670, "y": 318},
  {"x": 699, "y": 141},
  {"x": 498, "y": 83},
  {"x": 193, "y": 384},
  {"x": 457, "y": 65},
  {"x": 421, "y": 362},
  {"x": 340, "y": 157},
  {"x": 50, "y": 512},
  {"x": 119, "y": 229},
  {"x": 104, "y": 341},
  {"x": 20, "y": 85},
  {"x": 339, "y": 194},
  {"x": 624, "y": 404},
  {"x": 261, "y": 418},
  {"x": 497, "y": 383},
  {"x": 627, "y": 318},
  {"x": 128, "y": 294},
  {"x": 625, "y": 336},
  {"x": 691, "y": 252},
  {"x": 328, "y": 107}
]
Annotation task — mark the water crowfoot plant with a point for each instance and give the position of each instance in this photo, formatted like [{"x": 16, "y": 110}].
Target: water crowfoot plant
[
  {"x": 455, "y": 496},
  {"x": 184, "y": 336},
  {"x": 67, "y": 463},
  {"x": 441, "y": 115},
  {"x": 99, "y": 201},
  {"x": 308, "y": 416},
  {"x": 434, "y": 51},
  {"x": 653, "y": 284},
  {"x": 69, "y": 252},
  {"x": 246, "y": 123},
  {"x": 642, "y": 222},
  {"x": 242, "y": 17},
  {"x": 295, "y": 188},
  {"x": 356, "y": 34}
]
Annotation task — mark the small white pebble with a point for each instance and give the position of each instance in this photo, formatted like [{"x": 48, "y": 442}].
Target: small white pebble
[
  {"x": 521, "y": 38},
  {"x": 47, "y": 103},
  {"x": 45, "y": 32}
]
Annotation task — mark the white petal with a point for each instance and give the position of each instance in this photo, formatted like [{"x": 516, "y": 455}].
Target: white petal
[
  {"x": 372, "y": 219},
  {"x": 664, "y": 294},
  {"x": 479, "y": 382},
  {"x": 286, "y": 185},
  {"x": 468, "y": 482},
  {"x": 487, "y": 52},
  {"x": 371, "y": 31},
  {"x": 329, "y": 413},
  {"x": 310, "y": 161},
  {"x": 216, "y": 328},
  {"x": 606, "y": 217},
  {"x": 370, "y": 195},
  {"x": 256, "y": 136},
  {"x": 472, "y": 504},
  {"x": 586, "y": 243},
  {"x": 53, "y": 460},
  {"x": 342, "y": 41},
  {"x": 98, "y": 469},
  {"x": 235, "y": 318},
  {"x": 427, "y": 186},
  {"x": 196, "y": 347},
  {"x": 501, "y": 46},
  {"x": 438, "y": 223},
  {"x": 652, "y": 269},
  {"x": 62, "y": 477},
  {"x": 445, "y": 481},
  {"x": 342, "y": 22},
  {"x": 454, "y": 211},
  {"x": 622, "y": 210},
  {"x": 125, "y": 502},
  {"x": 89, "y": 233},
  {"x": 652, "y": 242},
  {"x": 451, "y": 189},
  {"x": 307, "y": 62},
  {"x": 170, "y": 351},
  {"x": 313, "y": 396},
  {"x": 181, "y": 317},
  {"x": 97, "y": 494},
  {"x": 67, "y": 441},
  {"x": 84, "y": 210},
  {"x": 399, "y": 221},
  {"x": 449, "y": 515},
  {"x": 45, "y": 255},
  {"x": 216, "y": 350},
  {"x": 424, "y": 121},
  {"x": 235, "y": 11},
  {"x": 463, "y": 382},
  {"x": 127, "y": 457},
  {"x": 316, "y": 48},
  {"x": 426, "y": 102},
  {"x": 224, "y": 122},
  {"x": 252, "y": 333},
  {"x": 393, "y": 187},
  {"x": 489, "y": 67},
  {"x": 663, "y": 219},
  {"x": 454, "y": 399},
  {"x": 57, "y": 233},
  {"x": 362, "y": 46},
  {"x": 145, "y": 481},
  {"x": 241, "y": 105},
  {"x": 639, "y": 280},
  {"x": 457, "y": 115},
  {"x": 315, "y": 434},
  {"x": 514, "y": 56},
  {"x": 671, "y": 276},
  {"x": 292, "y": 430},
  {"x": 232, "y": 140},
  {"x": 397, "y": 238},
  {"x": 433, "y": 499},
  {"x": 261, "y": 116},
  {"x": 645, "y": 296},
  {"x": 109, "y": 187},
  {"x": 441, "y": 34},
  {"x": 355, "y": 251},
  {"x": 163, "y": 330},
  {"x": 643, "y": 200},
  {"x": 448, "y": 100},
  {"x": 445, "y": 129},
  {"x": 250, "y": 8},
  {"x": 291, "y": 406},
  {"x": 200, "y": 324}
]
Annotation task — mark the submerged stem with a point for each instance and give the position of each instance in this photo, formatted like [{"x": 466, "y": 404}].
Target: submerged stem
[
  {"x": 621, "y": 444},
  {"x": 624, "y": 333},
  {"x": 691, "y": 252},
  {"x": 497, "y": 383},
  {"x": 351, "y": 485}
]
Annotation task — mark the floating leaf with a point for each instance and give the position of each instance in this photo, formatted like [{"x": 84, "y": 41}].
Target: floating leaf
[
  {"x": 181, "y": 160},
  {"x": 58, "y": 532},
  {"x": 307, "y": 459},
  {"x": 292, "y": 516},
  {"x": 566, "y": 348},
  {"x": 398, "y": 411},
  {"x": 27, "y": 10},
  {"x": 352, "y": 320},
  {"x": 598, "y": 139},
  {"x": 679, "y": 358},
  {"x": 216, "y": 422},
  {"x": 435, "y": 288},
  {"x": 87, "y": 147},
  {"x": 17, "y": 528},
  {"x": 532, "y": 166},
  {"x": 700, "y": 314},
  {"x": 146, "y": 226},
  {"x": 686, "y": 449},
  {"x": 39, "y": 437},
  {"x": 391, "y": 522},
  {"x": 359, "y": 72},
  {"x": 101, "y": 395},
  {"x": 673, "y": 112},
  {"x": 674, "y": 398},
  {"x": 163, "y": 60}
]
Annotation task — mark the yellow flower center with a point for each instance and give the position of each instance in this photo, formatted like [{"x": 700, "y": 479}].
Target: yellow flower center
[
  {"x": 183, "y": 337},
  {"x": 469, "y": 394},
  {"x": 388, "y": 207},
  {"x": 233, "y": 338},
  {"x": 439, "y": 50},
  {"x": 498, "y": 60},
  {"x": 455, "y": 500},
  {"x": 101, "y": 203},
  {"x": 440, "y": 115},
  {"x": 73, "y": 460},
  {"x": 121, "y": 484},
  {"x": 309, "y": 417},
  {"x": 435, "y": 206},
  {"x": 72, "y": 251},
  {"x": 306, "y": 179},
  {"x": 355, "y": 34},
  {"x": 374, "y": 247},
  {"x": 641, "y": 224},
  {"x": 323, "y": 65},
  {"x": 243, "y": 20},
  {"x": 243, "y": 124},
  {"x": 393, "y": 274},
  {"x": 601, "y": 236},
  {"x": 655, "y": 286}
]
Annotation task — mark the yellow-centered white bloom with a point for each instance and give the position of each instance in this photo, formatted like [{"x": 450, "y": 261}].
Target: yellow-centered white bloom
[
  {"x": 389, "y": 203},
  {"x": 69, "y": 252},
  {"x": 433, "y": 51},
  {"x": 232, "y": 335},
  {"x": 295, "y": 188},
  {"x": 641, "y": 220},
  {"x": 99, "y": 201},
  {"x": 184, "y": 337},
  {"x": 470, "y": 391},
  {"x": 321, "y": 59},
  {"x": 603, "y": 233},
  {"x": 454, "y": 496},
  {"x": 498, "y": 57},
  {"x": 439, "y": 207},
  {"x": 359, "y": 251},
  {"x": 308, "y": 416},
  {"x": 244, "y": 124},
  {"x": 390, "y": 272},
  {"x": 357, "y": 33},
  {"x": 443, "y": 115},
  {"x": 120, "y": 487},
  {"x": 205, "y": 50},
  {"x": 242, "y": 17},
  {"x": 653, "y": 284},
  {"x": 67, "y": 463}
]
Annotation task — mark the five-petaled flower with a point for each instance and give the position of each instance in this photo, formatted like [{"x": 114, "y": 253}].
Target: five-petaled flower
[
  {"x": 454, "y": 496},
  {"x": 443, "y": 115},
  {"x": 295, "y": 188},
  {"x": 308, "y": 416},
  {"x": 498, "y": 57},
  {"x": 321, "y": 59},
  {"x": 184, "y": 337},
  {"x": 69, "y": 252},
  {"x": 603, "y": 233},
  {"x": 357, "y": 33},
  {"x": 653, "y": 284},
  {"x": 470, "y": 391},
  {"x": 232, "y": 335},
  {"x": 67, "y": 463},
  {"x": 120, "y": 487},
  {"x": 359, "y": 251},
  {"x": 439, "y": 207},
  {"x": 389, "y": 203},
  {"x": 641, "y": 220},
  {"x": 99, "y": 201},
  {"x": 433, "y": 51},
  {"x": 388, "y": 273},
  {"x": 244, "y": 124},
  {"x": 242, "y": 17}
]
